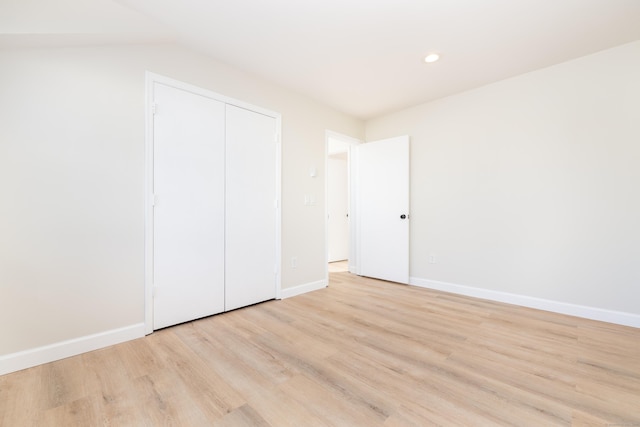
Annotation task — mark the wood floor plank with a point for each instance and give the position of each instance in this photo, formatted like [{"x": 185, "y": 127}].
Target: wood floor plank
[
  {"x": 21, "y": 396},
  {"x": 245, "y": 376},
  {"x": 76, "y": 413},
  {"x": 244, "y": 416},
  {"x": 361, "y": 352},
  {"x": 214, "y": 396},
  {"x": 280, "y": 408},
  {"x": 324, "y": 403}
]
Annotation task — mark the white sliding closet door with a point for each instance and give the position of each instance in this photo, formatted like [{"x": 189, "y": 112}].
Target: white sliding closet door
[
  {"x": 188, "y": 213},
  {"x": 250, "y": 206}
]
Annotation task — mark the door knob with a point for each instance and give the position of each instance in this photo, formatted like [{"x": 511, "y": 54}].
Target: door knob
[{"x": 403, "y": 216}]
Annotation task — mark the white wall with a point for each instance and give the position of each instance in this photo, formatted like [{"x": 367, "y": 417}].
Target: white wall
[
  {"x": 529, "y": 186},
  {"x": 72, "y": 184}
]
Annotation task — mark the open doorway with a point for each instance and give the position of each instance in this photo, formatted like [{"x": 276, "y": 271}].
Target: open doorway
[{"x": 339, "y": 231}]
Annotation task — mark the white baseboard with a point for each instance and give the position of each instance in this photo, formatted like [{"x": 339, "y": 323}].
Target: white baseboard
[
  {"x": 302, "y": 289},
  {"x": 26, "y": 359},
  {"x": 593, "y": 313}
]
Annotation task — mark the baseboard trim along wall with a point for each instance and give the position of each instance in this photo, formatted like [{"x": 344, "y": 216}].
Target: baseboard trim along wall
[
  {"x": 26, "y": 359},
  {"x": 302, "y": 289},
  {"x": 593, "y": 313}
]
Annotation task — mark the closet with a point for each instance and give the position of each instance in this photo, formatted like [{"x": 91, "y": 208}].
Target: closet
[{"x": 212, "y": 221}]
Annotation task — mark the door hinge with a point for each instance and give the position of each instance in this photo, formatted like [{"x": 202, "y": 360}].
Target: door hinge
[
  {"x": 154, "y": 291},
  {"x": 154, "y": 199},
  {"x": 154, "y": 108}
]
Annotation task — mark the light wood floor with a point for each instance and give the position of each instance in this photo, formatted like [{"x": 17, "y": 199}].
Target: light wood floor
[
  {"x": 339, "y": 266},
  {"x": 359, "y": 353}
]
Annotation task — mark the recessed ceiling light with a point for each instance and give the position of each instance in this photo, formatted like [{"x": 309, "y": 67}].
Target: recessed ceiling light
[{"x": 432, "y": 57}]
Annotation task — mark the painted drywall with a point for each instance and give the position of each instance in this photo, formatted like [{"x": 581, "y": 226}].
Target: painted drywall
[
  {"x": 72, "y": 183},
  {"x": 529, "y": 186}
]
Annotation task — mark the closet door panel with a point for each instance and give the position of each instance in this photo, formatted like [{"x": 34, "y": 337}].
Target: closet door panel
[
  {"x": 250, "y": 212},
  {"x": 188, "y": 216}
]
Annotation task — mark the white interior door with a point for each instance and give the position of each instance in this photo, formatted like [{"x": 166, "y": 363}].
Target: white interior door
[
  {"x": 188, "y": 214},
  {"x": 250, "y": 208},
  {"x": 338, "y": 207},
  {"x": 383, "y": 209}
]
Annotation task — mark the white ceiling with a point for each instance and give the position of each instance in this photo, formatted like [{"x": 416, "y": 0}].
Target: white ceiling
[{"x": 362, "y": 57}]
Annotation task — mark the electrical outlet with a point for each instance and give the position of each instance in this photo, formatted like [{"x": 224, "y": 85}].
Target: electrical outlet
[{"x": 294, "y": 262}]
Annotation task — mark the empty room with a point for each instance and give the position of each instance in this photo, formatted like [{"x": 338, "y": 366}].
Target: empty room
[{"x": 336, "y": 213}]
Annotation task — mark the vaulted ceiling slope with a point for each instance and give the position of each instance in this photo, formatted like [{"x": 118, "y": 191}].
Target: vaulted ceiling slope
[{"x": 362, "y": 57}]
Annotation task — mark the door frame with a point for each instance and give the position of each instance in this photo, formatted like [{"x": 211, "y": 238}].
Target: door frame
[
  {"x": 150, "y": 80},
  {"x": 351, "y": 142}
]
